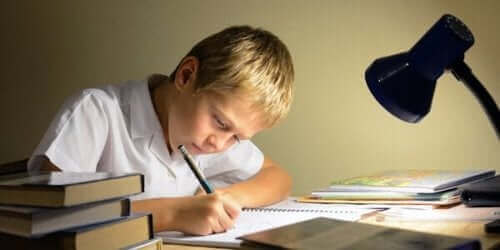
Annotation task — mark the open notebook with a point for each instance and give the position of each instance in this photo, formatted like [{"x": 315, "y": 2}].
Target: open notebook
[{"x": 258, "y": 219}]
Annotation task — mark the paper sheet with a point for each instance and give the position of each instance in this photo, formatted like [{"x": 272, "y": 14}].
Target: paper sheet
[
  {"x": 250, "y": 221},
  {"x": 456, "y": 213}
]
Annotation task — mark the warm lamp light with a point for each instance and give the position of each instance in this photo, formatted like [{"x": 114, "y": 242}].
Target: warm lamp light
[{"x": 404, "y": 83}]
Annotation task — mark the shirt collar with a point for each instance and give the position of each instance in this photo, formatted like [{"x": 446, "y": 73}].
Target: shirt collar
[{"x": 143, "y": 119}]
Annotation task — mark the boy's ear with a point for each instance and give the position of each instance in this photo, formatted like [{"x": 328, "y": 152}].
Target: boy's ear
[{"x": 185, "y": 76}]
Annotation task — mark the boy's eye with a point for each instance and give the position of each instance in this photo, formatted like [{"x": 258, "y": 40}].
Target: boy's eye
[
  {"x": 236, "y": 138},
  {"x": 220, "y": 124}
]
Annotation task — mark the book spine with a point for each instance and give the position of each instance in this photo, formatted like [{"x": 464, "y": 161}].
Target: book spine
[
  {"x": 151, "y": 229},
  {"x": 127, "y": 207}
]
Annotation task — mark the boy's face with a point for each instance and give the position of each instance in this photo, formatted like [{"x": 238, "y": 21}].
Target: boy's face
[{"x": 209, "y": 123}]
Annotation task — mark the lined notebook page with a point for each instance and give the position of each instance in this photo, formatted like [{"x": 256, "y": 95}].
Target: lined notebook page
[{"x": 254, "y": 220}]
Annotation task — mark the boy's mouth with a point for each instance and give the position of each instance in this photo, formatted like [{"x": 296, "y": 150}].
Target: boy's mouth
[{"x": 197, "y": 150}]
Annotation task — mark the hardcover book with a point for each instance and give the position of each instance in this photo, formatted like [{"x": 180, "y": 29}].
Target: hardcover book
[
  {"x": 110, "y": 235},
  {"x": 34, "y": 221},
  {"x": 65, "y": 189}
]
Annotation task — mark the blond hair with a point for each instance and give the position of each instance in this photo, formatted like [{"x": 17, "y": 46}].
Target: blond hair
[{"x": 250, "y": 61}]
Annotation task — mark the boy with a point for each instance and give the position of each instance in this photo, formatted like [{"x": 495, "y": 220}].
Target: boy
[{"x": 230, "y": 86}]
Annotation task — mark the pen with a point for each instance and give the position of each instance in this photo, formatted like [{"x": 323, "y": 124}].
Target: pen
[{"x": 189, "y": 160}]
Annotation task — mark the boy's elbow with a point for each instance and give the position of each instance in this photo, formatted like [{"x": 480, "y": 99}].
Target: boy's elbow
[
  {"x": 288, "y": 182},
  {"x": 285, "y": 182}
]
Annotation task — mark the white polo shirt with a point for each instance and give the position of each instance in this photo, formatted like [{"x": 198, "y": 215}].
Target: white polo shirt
[{"x": 115, "y": 128}]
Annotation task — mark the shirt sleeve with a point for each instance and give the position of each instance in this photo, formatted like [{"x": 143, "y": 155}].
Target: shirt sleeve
[
  {"x": 238, "y": 163},
  {"x": 76, "y": 137}
]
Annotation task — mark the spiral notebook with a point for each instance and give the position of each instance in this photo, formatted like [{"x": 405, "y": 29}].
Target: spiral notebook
[{"x": 259, "y": 219}]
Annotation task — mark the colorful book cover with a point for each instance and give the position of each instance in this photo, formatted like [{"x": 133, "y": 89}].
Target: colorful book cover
[
  {"x": 382, "y": 195},
  {"x": 414, "y": 181}
]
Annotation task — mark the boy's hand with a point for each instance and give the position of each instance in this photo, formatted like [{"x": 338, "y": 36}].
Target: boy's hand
[
  {"x": 200, "y": 191},
  {"x": 206, "y": 214}
]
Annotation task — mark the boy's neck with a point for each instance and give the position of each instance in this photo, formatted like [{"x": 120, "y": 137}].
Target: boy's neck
[{"x": 161, "y": 94}]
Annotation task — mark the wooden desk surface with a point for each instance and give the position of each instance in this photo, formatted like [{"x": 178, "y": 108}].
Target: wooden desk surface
[{"x": 472, "y": 229}]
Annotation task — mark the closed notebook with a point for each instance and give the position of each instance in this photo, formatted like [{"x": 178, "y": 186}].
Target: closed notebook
[
  {"x": 110, "y": 235},
  {"x": 35, "y": 221},
  {"x": 482, "y": 193},
  {"x": 65, "y": 189},
  {"x": 411, "y": 181},
  {"x": 325, "y": 233}
]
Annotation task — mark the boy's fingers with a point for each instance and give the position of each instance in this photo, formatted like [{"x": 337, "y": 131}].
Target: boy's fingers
[
  {"x": 232, "y": 207},
  {"x": 226, "y": 221},
  {"x": 199, "y": 192},
  {"x": 217, "y": 226},
  {"x": 233, "y": 211}
]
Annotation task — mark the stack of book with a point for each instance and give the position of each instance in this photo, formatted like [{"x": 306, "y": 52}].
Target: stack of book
[
  {"x": 78, "y": 211},
  {"x": 406, "y": 187}
]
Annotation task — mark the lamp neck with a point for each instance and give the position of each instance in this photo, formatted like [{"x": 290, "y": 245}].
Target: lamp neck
[{"x": 464, "y": 74}]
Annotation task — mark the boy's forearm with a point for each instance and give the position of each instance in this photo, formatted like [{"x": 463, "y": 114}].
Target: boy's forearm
[{"x": 270, "y": 185}]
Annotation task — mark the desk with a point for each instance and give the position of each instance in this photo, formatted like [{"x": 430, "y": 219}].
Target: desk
[{"x": 454, "y": 228}]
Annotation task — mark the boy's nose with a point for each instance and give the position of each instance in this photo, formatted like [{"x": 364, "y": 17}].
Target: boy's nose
[{"x": 218, "y": 142}]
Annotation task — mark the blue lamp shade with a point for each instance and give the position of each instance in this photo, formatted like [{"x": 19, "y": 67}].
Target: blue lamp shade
[
  {"x": 404, "y": 83},
  {"x": 399, "y": 88}
]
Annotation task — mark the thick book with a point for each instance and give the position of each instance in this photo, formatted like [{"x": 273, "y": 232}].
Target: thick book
[
  {"x": 36, "y": 221},
  {"x": 325, "y": 233},
  {"x": 65, "y": 189},
  {"x": 482, "y": 193},
  {"x": 115, "y": 234},
  {"x": 411, "y": 181}
]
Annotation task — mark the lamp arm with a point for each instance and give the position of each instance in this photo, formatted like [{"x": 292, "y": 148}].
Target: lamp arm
[{"x": 464, "y": 74}]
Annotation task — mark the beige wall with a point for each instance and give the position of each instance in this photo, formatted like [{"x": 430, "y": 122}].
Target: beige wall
[{"x": 336, "y": 128}]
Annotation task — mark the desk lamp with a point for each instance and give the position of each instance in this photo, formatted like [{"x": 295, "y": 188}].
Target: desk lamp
[{"x": 404, "y": 83}]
